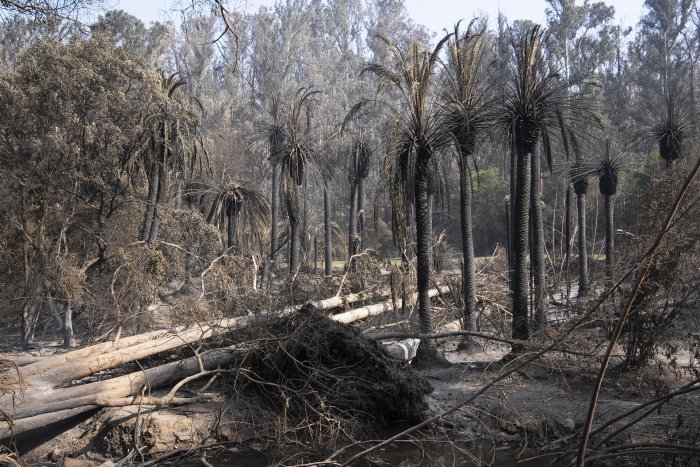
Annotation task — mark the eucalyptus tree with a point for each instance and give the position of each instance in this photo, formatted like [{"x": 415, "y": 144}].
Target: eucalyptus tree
[
  {"x": 466, "y": 115},
  {"x": 659, "y": 45},
  {"x": 530, "y": 109},
  {"x": 295, "y": 157},
  {"x": 420, "y": 137},
  {"x": 63, "y": 147}
]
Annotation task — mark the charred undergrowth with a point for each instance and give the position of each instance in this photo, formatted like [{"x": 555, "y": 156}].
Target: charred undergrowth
[{"x": 330, "y": 381}]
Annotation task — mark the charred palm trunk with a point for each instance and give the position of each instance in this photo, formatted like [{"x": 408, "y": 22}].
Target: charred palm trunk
[
  {"x": 609, "y": 238},
  {"x": 581, "y": 188},
  {"x": 525, "y": 140},
  {"x": 352, "y": 221},
  {"x": 423, "y": 251},
  {"x": 275, "y": 208},
  {"x": 328, "y": 247},
  {"x": 537, "y": 252},
  {"x": 469, "y": 269},
  {"x": 231, "y": 231},
  {"x": 360, "y": 214},
  {"x": 293, "y": 212},
  {"x": 512, "y": 188}
]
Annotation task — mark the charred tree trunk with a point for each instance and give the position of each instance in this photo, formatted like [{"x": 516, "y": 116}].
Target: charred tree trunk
[
  {"x": 360, "y": 214},
  {"x": 231, "y": 231},
  {"x": 537, "y": 252},
  {"x": 469, "y": 268},
  {"x": 521, "y": 209},
  {"x": 293, "y": 212},
  {"x": 275, "y": 209},
  {"x": 610, "y": 238},
  {"x": 581, "y": 189},
  {"x": 352, "y": 222},
  {"x": 427, "y": 352}
]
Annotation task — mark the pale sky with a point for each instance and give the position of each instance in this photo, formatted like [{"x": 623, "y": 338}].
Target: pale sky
[{"x": 435, "y": 14}]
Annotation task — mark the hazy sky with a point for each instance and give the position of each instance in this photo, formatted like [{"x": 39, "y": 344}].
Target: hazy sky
[{"x": 435, "y": 14}]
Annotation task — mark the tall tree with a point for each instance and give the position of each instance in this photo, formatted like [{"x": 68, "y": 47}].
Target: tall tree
[
  {"x": 294, "y": 159},
  {"x": 421, "y": 136},
  {"x": 466, "y": 116},
  {"x": 607, "y": 170},
  {"x": 529, "y": 110}
]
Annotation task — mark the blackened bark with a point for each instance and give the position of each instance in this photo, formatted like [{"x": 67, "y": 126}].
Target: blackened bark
[
  {"x": 293, "y": 212},
  {"x": 610, "y": 237},
  {"x": 582, "y": 249},
  {"x": 469, "y": 269},
  {"x": 423, "y": 251},
  {"x": 360, "y": 214},
  {"x": 519, "y": 287},
  {"x": 352, "y": 222},
  {"x": 537, "y": 252},
  {"x": 275, "y": 207},
  {"x": 232, "y": 214}
]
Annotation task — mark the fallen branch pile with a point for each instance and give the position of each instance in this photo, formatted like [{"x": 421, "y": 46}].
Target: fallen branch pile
[{"x": 39, "y": 392}]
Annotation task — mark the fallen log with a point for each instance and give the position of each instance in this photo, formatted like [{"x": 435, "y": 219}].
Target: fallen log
[
  {"x": 42, "y": 406},
  {"x": 35, "y": 396},
  {"x": 379, "y": 308}
]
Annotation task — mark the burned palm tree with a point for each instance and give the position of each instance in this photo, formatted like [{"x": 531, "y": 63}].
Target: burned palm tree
[
  {"x": 273, "y": 133},
  {"x": 670, "y": 131},
  {"x": 466, "y": 116},
  {"x": 529, "y": 109},
  {"x": 579, "y": 175},
  {"x": 420, "y": 136},
  {"x": 607, "y": 170},
  {"x": 294, "y": 158},
  {"x": 357, "y": 154},
  {"x": 235, "y": 201},
  {"x": 174, "y": 146}
]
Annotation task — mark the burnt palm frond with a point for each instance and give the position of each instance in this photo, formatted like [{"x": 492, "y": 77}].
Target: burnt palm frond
[
  {"x": 581, "y": 168},
  {"x": 357, "y": 153},
  {"x": 238, "y": 199},
  {"x": 534, "y": 97},
  {"x": 170, "y": 83},
  {"x": 419, "y": 126},
  {"x": 466, "y": 94},
  {"x": 608, "y": 168},
  {"x": 298, "y": 153},
  {"x": 671, "y": 130},
  {"x": 271, "y": 131}
]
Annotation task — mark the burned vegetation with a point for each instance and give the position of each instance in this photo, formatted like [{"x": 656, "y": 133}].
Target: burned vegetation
[{"x": 316, "y": 235}]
